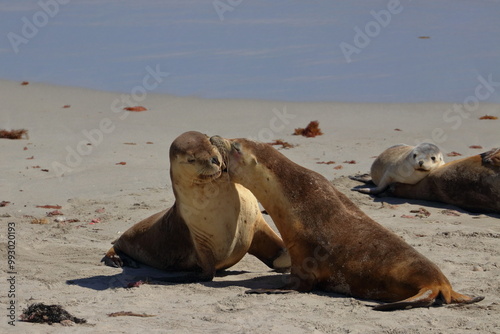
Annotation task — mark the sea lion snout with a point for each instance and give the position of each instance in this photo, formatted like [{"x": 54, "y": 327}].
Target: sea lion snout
[
  {"x": 223, "y": 146},
  {"x": 220, "y": 143}
]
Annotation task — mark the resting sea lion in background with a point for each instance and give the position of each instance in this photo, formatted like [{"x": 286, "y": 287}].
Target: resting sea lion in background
[
  {"x": 401, "y": 163},
  {"x": 471, "y": 183}
]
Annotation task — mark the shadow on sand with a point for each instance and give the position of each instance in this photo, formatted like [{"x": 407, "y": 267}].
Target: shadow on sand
[
  {"x": 386, "y": 197},
  {"x": 155, "y": 276}
]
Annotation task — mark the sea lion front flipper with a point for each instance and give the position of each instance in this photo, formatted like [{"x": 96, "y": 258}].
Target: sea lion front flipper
[
  {"x": 111, "y": 259},
  {"x": 268, "y": 247},
  {"x": 117, "y": 259}
]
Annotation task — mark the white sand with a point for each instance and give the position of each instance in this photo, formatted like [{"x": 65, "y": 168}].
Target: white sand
[{"x": 465, "y": 247}]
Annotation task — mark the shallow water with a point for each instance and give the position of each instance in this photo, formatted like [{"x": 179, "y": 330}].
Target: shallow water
[{"x": 360, "y": 51}]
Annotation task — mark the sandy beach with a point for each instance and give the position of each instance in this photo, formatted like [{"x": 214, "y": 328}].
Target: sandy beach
[{"x": 108, "y": 168}]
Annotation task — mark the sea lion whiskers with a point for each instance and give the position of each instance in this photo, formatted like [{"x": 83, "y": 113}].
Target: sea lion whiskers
[
  {"x": 220, "y": 145},
  {"x": 210, "y": 170},
  {"x": 205, "y": 173}
]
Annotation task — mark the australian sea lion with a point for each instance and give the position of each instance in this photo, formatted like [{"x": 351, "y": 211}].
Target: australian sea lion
[
  {"x": 333, "y": 245},
  {"x": 212, "y": 224},
  {"x": 401, "y": 163},
  {"x": 471, "y": 183}
]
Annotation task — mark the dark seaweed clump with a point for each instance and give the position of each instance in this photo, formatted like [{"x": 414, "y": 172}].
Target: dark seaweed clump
[{"x": 49, "y": 314}]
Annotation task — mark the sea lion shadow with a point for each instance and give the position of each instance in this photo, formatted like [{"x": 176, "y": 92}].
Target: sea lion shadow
[
  {"x": 386, "y": 197},
  {"x": 271, "y": 280},
  {"x": 150, "y": 275},
  {"x": 122, "y": 279},
  {"x": 98, "y": 283},
  {"x": 275, "y": 283}
]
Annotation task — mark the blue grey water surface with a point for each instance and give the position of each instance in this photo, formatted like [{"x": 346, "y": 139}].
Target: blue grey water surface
[{"x": 316, "y": 50}]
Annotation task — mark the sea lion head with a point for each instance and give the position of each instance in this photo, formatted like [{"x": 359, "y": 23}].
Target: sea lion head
[
  {"x": 236, "y": 153},
  {"x": 425, "y": 157},
  {"x": 491, "y": 157},
  {"x": 194, "y": 159}
]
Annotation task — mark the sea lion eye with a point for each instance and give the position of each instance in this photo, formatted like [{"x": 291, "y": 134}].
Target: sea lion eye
[
  {"x": 237, "y": 147},
  {"x": 191, "y": 160},
  {"x": 433, "y": 158},
  {"x": 215, "y": 161},
  {"x": 414, "y": 156}
]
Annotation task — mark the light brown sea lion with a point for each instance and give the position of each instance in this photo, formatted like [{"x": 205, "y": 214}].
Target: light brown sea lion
[
  {"x": 471, "y": 183},
  {"x": 212, "y": 224},
  {"x": 334, "y": 246},
  {"x": 401, "y": 163}
]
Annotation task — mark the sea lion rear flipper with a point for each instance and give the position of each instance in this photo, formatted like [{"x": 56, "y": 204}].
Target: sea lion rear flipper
[
  {"x": 365, "y": 178},
  {"x": 426, "y": 298},
  {"x": 458, "y": 298},
  {"x": 403, "y": 305},
  {"x": 371, "y": 191}
]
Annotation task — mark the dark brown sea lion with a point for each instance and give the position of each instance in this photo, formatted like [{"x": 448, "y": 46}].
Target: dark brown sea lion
[
  {"x": 334, "y": 246},
  {"x": 471, "y": 183}
]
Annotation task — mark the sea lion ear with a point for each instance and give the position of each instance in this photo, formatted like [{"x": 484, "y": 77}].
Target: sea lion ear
[
  {"x": 254, "y": 161},
  {"x": 237, "y": 147}
]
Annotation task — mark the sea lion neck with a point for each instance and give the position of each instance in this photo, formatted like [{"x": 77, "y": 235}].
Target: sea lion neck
[
  {"x": 288, "y": 179},
  {"x": 199, "y": 196}
]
